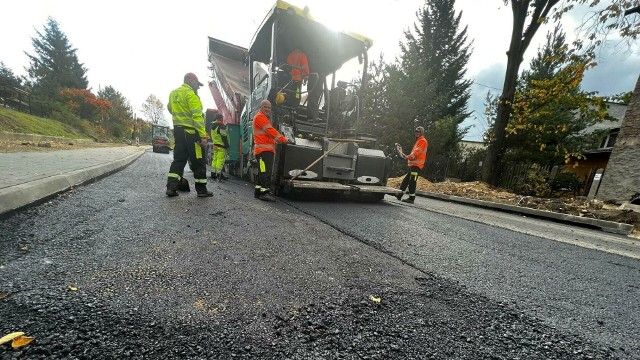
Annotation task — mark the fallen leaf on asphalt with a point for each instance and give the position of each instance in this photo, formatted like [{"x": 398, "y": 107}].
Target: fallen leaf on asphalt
[
  {"x": 3, "y": 295},
  {"x": 21, "y": 341},
  {"x": 72, "y": 288},
  {"x": 374, "y": 299},
  {"x": 24, "y": 247},
  {"x": 5, "y": 339}
]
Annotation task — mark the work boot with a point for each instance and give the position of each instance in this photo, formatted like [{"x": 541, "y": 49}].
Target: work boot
[
  {"x": 172, "y": 186},
  {"x": 202, "y": 191},
  {"x": 409, "y": 200},
  {"x": 267, "y": 197},
  {"x": 399, "y": 196},
  {"x": 214, "y": 176},
  {"x": 183, "y": 185},
  {"x": 223, "y": 176}
]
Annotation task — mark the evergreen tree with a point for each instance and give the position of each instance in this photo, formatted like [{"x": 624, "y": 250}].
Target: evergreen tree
[
  {"x": 373, "y": 113},
  {"x": 431, "y": 82},
  {"x": 55, "y": 64},
  {"x": 8, "y": 78}
]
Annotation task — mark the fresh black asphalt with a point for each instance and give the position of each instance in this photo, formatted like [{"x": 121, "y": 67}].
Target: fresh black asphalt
[{"x": 234, "y": 277}]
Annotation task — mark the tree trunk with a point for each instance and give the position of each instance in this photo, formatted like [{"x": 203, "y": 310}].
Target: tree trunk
[{"x": 514, "y": 59}]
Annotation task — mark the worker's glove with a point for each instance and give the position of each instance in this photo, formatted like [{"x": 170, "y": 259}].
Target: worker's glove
[{"x": 399, "y": 151}]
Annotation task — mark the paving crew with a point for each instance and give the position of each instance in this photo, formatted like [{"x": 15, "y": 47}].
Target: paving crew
[
  {"x": 415, "y": 161},
  {"x": 219, "y": 138},
  {"x": 264, "y": 149},
  {"x": 299, "y": 73},
  {"x": 190, "y": 136}
]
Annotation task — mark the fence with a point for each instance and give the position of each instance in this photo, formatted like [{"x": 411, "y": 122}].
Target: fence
[
  {"x": 21, "y": 100},
  {"x": 441, "y": 167}
]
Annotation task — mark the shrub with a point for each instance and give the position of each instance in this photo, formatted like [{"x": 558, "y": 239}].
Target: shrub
[
  {"x": 536, "y": 184},
  {"x": 566, "y": 182}
]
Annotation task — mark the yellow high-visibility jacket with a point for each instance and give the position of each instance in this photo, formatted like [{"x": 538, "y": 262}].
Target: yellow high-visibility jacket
[{"x": 186, "y": 109}]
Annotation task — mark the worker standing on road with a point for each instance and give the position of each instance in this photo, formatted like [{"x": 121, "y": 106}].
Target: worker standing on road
[
  {"x": 220, "y": 141},
  {"x": 190, "y": 136},
  {"x": 264, "y": 142},
  {"x": 415, "y": 161},
  {"x": 299, "y": 72}
]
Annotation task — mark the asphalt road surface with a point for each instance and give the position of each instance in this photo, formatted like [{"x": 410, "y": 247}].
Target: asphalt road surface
[{"x": 115, "y": 269}]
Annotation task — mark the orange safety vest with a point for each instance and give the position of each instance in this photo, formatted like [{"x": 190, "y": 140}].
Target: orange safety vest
[
  {"x": 264, "y": 135},
  {"x": 418, "y": 154},
  {"x": 299, "y": 60}
]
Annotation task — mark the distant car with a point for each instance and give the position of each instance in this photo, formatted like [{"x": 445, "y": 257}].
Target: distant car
[{"x": 160, "y": 139}]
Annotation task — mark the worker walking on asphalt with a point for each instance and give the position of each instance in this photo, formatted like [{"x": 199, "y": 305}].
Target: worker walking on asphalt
[
  {"x": 190, "y": 136},
  {"x": 264, "y": 148},
  {"x": 220, "y": 141},
  {"x": 415, "y": 161}
]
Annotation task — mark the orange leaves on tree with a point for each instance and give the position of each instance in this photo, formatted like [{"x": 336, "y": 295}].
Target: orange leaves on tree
[{"x": 84, "y": 103}]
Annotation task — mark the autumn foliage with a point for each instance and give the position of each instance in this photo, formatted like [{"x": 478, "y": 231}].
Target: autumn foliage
[
  {"x": 84, "y": 104},
  {"x": 548, "y": 112}
]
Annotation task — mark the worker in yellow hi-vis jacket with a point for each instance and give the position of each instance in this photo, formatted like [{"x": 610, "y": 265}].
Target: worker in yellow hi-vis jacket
[
  {"x": 218, "y": 134},
  {"x": 190, "y": 136}
]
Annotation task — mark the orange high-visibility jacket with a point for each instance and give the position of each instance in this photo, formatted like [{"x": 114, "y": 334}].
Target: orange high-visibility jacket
[
  {"x": 298, "y": 59},
  {"x": 418, "y": 154},
  {"x": 264, "y": 135}
]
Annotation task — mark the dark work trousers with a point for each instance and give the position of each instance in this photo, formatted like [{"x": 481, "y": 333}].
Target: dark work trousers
[
  {"x": 411, "y": 179},
  {"x": 188, "y": 148},
  {"x": 265, "y": 166},
  {"x": 292, "y": 95}
]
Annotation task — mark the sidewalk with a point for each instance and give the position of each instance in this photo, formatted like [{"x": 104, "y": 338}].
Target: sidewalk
[
  {"x": 30, "y": 177},
  {"x": 34, "y": 176}
]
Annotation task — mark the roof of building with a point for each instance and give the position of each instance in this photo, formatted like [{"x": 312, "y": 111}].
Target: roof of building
[{"x": 616, "y": 111}]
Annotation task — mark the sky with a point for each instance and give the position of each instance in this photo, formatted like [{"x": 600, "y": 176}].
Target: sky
[{"x": 143, "y": 47}]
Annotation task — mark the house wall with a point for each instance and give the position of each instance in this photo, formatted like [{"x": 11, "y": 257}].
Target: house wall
[
  {"x": 585, "y": 168},
  {"x": 622, "y": 177}
]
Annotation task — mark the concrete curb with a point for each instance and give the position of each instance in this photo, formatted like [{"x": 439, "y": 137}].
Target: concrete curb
[
  {"x": 18, "y": 196},
  {"x": 608, "y": 226}
]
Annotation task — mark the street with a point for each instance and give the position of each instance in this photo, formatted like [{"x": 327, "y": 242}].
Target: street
[{"x": 234, "y": 277}]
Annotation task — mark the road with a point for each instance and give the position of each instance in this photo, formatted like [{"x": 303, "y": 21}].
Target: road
[{"x": 117, "y": 270}]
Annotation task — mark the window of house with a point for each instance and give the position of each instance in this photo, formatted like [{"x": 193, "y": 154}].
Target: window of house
[{"x": 610, "y": 140}]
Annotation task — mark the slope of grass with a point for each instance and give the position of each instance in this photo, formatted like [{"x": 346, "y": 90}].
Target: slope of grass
[{"x": 18, "y": 122}]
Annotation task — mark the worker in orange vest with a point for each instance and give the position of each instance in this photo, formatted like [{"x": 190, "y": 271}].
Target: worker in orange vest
[
  {"x": 299, "y": 73},
  {"x": 264, "y": 149},
  {"x": 415, "y": 161}
]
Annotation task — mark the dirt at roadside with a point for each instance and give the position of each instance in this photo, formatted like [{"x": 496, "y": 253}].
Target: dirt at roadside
[
  {"x": 12, "y": 146},
  {"x": 577, "y": 206}
]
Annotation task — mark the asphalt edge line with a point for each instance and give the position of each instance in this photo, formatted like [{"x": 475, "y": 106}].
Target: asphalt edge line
[
  {"x": 604, "y": 225},
  {"x": 20, "y": 196}
]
